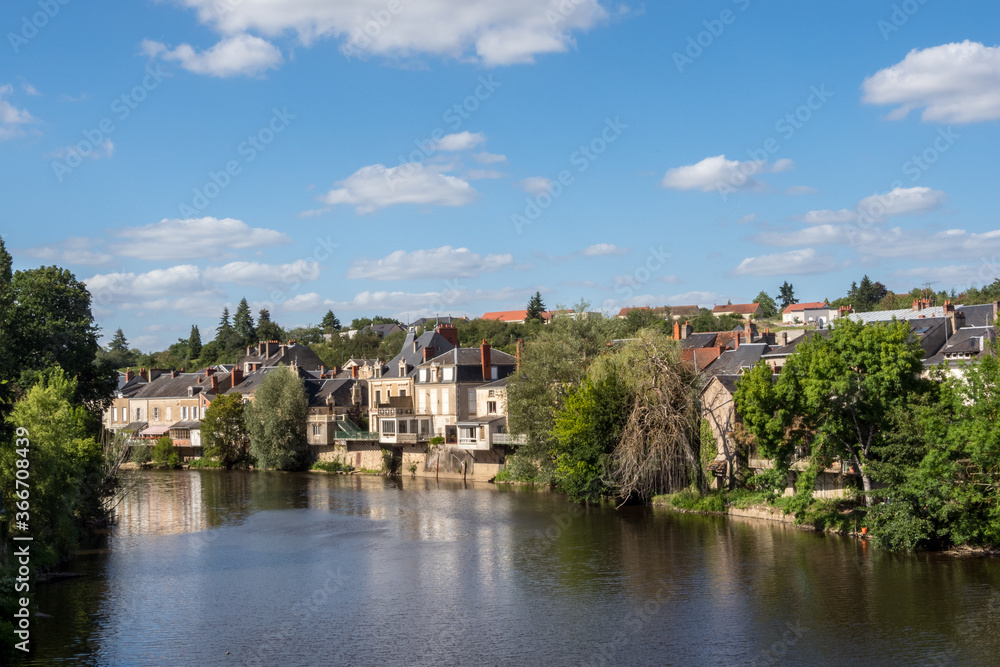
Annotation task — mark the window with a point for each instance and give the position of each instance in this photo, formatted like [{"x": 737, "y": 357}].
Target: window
[
  {"x": 378, "y": 397},
  {"x": 449, "y": 374},
  {"x": 194, "y": 412},
  {"x": 388, "y": 427},
  {"x": 472, "y": 401},
  {"x": 317, "y": 429},
  {"x": 444, "y": 402},
  {"x": 184, "y": 412},
  {"x": 156, "y": 414},
  {"x": 491, "y": 407},
  {"x": 423, "y": 375},
  {"x": 423, "y": 400},
  {"x": 402, "y": 392},
  {"x": 169, "y": 418},
  {"x": 493, "y": 373},
  {"x": 138, "y": 414}
]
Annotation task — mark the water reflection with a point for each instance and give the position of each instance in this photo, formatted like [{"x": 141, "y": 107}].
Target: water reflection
[{"x": 323, "y": 569}]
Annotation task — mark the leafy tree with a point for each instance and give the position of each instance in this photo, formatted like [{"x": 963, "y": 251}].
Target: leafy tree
[
  {"x": 835, "y": 395},
  {"x": 51, "y": 324},
  {"x": 164, "y": 453},
  {"x": 243, "y": 325},
  {"x": 767, "y": 305},
  {"x": 643, "y": 318},
  {"x": 266, "y": 329},
  {"x": 223, "y": 435},
  {"x": 64, "y": 461},
  {"x": 276, "y": 421},
  {"x": 535, "y": 307},
  {"x": 330, "y": 322},
  {"x": 194, "y": 346},
  {"x": 786, "y": 295}
]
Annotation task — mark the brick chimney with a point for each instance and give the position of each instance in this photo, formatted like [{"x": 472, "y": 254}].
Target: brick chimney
[
  {"x": 677, "y": 330},
  {"x": 208, "y": 372},
  {"x": 484, "y": 352},
  {"x": 415, "y": 345},
  {"x": 143, "y": 374},
  {"x": 129, "y": 374},
  {"x": 917, "y": 304},
  {"x": 428, "y": 353},
  {"x": 249, "y": 347},
  {"x": 215, "y": 383},
  {"x": 736, "y": 344},
  {"x": 354, "y": 372},
  {"x": 449, "y": 333},
  {"x": 236, "y": 375},
  {"x": 784, "y": 338},
  {"x": 686, "y": 330},
  {"x": 173, "y": 374},
  {"x": 322, "y": 371}
]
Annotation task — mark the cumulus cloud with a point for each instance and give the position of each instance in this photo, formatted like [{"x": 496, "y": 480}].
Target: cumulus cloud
[
  {"x": 489, "y": 158},
  {"x": 237, "y": 55},
  {"x": 535, "y": 185},
  {"x": 493, "y": 33},
  {"x": 11, "y": 118},
  {"x": 718, "y": 173},
  {"x": 377, "y": 186},
  {"x": 876, "y": 208},
  {"x": 793, "y": 262},
  {"x": 444, "y": 262},
  {"x": 953, "y": 83},
  {"x": 75, "y": 250},
  {"x": 461, "y": 141},
  {"x": 264, "y": 275},
  {"x": 192, "y": 238},
  {"x": 603, "y": 249}
]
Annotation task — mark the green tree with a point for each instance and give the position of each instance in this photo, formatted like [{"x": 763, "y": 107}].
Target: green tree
[
  {"x": 64, "y": 463},
  {"x": 51, "y": 324},
  {"x": 786, "y": 296},
  {"x": 8, "y": 369},
  {"x": 165, "y": 454},
  {"x": 535, "y": 307},
  {"x": 767, "y": 305},
  {"x": 194, "y": 346},
  {"x": 243, "y": 325},
  {"x": 330, "y": 322},
  {"x": 118, "y": 355},
  {"x": 223, "y": 434},
  {"x": 118, "y": 342},
  {"x": 276, "y": 421},
  {"x": 866, "y": 295},
  {"x": 266, "y": 329},
  {"x": 224, "y": 332}
]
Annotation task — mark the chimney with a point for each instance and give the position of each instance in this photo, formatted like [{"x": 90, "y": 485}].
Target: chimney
[
  {"x": 249, "y": 347},
  {"x": 322, "y": 371},
  {"x": 215, "y": 384},
  {"x": 428, "y": 353},
  {"x": 415, "y": 346},
  {"x": 354, "y": 372},
  {"x": 173, "y": 374},
  {"x": 784, "y": 338},
  {"x": 129, "y": 374},
  {"x": 143, "y": 374},
  {"x": 686, "y": 330},
  {"x": 916, "y": 304},
  {"x": 208, "y": 372},
  {"x": 736, "y": 345},
  {"x": 677, "y": 330},
  {"x": 449, "y": 333},
  {"x": 236, "y": 376},
  {"x": 283, "y": 349},
  {"x": 484, "y": 351}
]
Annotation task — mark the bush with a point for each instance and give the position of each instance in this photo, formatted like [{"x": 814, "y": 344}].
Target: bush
[
  {"x": 331, "y": 466},
  {"x": 204, "y": 462},
  {"x": 164, "y": 454},
  {"x": 391, "y": 462},
  {"x": 141, "y": 454}
]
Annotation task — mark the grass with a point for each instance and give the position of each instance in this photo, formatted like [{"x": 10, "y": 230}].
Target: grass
[
  {"x": 332, "y": 466},
  {"x": 202, "y": 463}
]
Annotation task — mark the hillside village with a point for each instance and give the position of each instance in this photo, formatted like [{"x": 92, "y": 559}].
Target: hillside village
[{"x": 441, "y": 409}]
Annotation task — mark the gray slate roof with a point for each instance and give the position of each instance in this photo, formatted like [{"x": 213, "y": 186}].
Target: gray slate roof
[
  {"x": 970, "y": 340},
  {"x": 415, "y": 357},
  {"x": 732, "y": 362}
]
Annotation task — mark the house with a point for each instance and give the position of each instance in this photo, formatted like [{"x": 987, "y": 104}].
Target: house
[
  {"x": 513, "y": 316},
  {"x": 440, "y": 319},
  {"x": 719, "y": 410},
  {"x": 390, "y": 390},
  {"x": 382, "y": 330},
  {"x": 744, "y": 310},
  {"x": 276, "y": 353},
  {"x": 118, "y": 416},
  {"x": 816, "y": 312}
]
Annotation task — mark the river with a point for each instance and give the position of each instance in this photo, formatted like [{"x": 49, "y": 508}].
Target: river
[{"x": 315, "y": 569}]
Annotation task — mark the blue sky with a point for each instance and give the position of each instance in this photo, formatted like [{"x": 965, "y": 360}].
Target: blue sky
[{"x": 407, "y": 158}]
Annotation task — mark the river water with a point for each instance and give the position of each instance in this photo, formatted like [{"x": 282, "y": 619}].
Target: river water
[{"x": 314, "y": 569}]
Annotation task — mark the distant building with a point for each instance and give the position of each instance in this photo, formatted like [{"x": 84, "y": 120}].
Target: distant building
[
  {"x": 513, "y": 316},
  {"x": 744, "y": 310}
]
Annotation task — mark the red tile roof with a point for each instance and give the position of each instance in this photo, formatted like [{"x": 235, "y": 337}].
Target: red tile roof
[
  {"x": 799, "y": 307},
  {"x": 512, "y": 315},
  {"x": 738, "y": 308},
  {"x": 625, "y": 311}
]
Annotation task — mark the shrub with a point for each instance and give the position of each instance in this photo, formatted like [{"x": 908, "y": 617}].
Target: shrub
[{"x": 164, "y": 454}]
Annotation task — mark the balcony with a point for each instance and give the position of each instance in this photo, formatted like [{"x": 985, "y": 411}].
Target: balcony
[{"x": 508, "y": 439}]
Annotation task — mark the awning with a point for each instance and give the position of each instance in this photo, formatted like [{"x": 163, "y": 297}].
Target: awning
[
  {"x": 479, "y": 421},
  {"x": 135, "y": 426},
  {"x": 154, "y": 430},
  {"x": 187, "y": 424}
]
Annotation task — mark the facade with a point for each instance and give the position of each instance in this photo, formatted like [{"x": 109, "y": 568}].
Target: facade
[
  {"x": 818, "y": 313},
  {"x": 745, "y": 310},
  {"x": 513, "y": 316}
]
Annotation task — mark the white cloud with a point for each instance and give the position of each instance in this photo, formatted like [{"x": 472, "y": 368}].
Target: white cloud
[
  {"x": 825, "y": 234},
  {"x": 670, "y": 280},
  {"x": 75, "y": 250},
  {"x": 265, "y": 275},
  {"x": 28, "y": 89},
  {"x": 376, "y": 186},
  {"x": 953, "y": 83},
  {"x": 925, "y": 244},
  {"x": 481, "y": 174},
  {"x": 237, "y": 55},
  {"x": 461, "y": 141},
  {"x": 793, "y": 262},
  {"x": 603, "y": 249},
  {"x": 876, "y": 208},
  {"x": 535, "y": 185},
  {"x": 715, "y": 173},
  {"x": 12, "y": 118},
  {"x": 800, "y": 190},
  {"x": 494, "y": 33},
  {"x": 444, "y": 262},
  {"x": 192, "y": 238},
  {"x": 489, "y": 158},
  {"x": 955, "y": 275},
  {"x": 750, "y": 217}
]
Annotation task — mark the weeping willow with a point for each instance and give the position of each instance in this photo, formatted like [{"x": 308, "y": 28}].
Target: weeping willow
[{"x": 659, "y": 449}]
